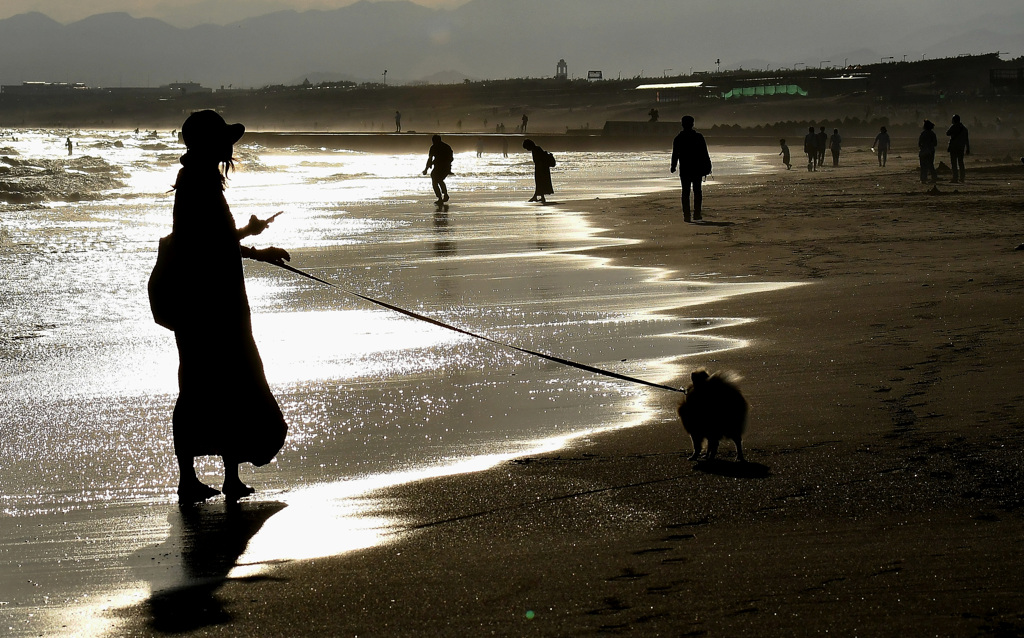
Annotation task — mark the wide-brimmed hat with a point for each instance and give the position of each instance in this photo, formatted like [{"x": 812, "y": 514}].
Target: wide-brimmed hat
[{"x": 205, "y": 129}]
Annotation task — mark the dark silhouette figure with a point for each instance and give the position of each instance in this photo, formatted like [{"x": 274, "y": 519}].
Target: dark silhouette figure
[
  {"x": 785, "y": 154},
  {"x": 480, "y": 147},
  {"x": 542, "y": 163},
  {"x": 959, "y": 145},
  {"x": 504, "y": 147},
  {"x": 69, "y": 145},
  {"x": 821, "y": 144},
  {"x": 398, "y": 122},
  {"x": 224, "y": 407},
  {"x": 209, "y": 541},
  {"x": 714, "y": 408},
  {"x": 882, "y": 144},
  {"x": 690, "y": 153},
  {"x": 811, "y": 148},
  {"x": 926, "y": 144},
  {"x": 525, "y": 122},
  {"x": 439, "y": 163},
  {"x": 654, "y": 115},
  {"x": 835, "y": 144}
]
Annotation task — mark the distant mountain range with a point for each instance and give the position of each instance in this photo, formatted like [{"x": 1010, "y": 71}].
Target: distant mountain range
[{"x": 490, "y": 39}]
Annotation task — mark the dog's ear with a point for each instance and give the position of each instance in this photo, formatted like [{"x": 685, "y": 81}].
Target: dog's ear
[{"x": 698, "y": 376}]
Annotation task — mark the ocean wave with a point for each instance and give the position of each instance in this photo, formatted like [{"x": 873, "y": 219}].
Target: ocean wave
[
  {"x": 339, "y": 177},
  {"x": 30, "y": 180}
]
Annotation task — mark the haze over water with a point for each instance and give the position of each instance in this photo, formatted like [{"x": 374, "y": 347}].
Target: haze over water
[{"x": 372, "y": 397}]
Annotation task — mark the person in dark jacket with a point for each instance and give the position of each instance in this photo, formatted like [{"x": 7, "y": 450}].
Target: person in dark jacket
[
  {"x": 882, "y": 144},
  {"x": 690, "y": 154},
  {"x": 926, "y": 144},
  {"x": 225, "y": 407},
  {"x": 439, "y": 163},
  {"x": 959, "y": 145},
  {"x": 811, "y": 149},
  {"x": 835, "y": 144},
  {"x": 821, "y": 144},
  {"x": 542, "y": 163}
]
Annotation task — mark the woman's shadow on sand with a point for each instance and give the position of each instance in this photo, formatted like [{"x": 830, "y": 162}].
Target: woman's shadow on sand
[{"x": 209, "y": 538}]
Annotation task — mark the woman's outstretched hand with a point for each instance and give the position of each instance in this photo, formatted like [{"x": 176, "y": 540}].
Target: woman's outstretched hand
[
  {"x": 257, "y": 226},
  {"x": 273, "y": 255}
]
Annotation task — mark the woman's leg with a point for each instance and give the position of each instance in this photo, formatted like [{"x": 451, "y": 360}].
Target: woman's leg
[
  {"x": 190, "y": 488},
  {"x": 234, "y": 488}
]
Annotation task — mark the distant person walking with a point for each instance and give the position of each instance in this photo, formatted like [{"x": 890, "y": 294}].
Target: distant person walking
[
  {"x": 835, "y": 144},
  {"x": 811, "y": 149},
  {"x": 959, "y": 145},
  {"x": 225, "y": 407},
  {"x": 690, "y": 153},
  {"x": 439, "y": 163},
  {"x": 821, "y": 144},
  {"x": 882, "y": 144},
  {"x": 926, "y": 144},
  {"x": 785, "y": 154},
  {"x": 526, "y": 120},
  {"x": 504, "y": 146},
  {"x": 542, "y": 164},
  {"x": 69, "y": 145},
  {"x": 398, "y": 122}
]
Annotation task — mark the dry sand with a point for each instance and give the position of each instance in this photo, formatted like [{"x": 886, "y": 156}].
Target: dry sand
[{"x": 882, "y": 496}]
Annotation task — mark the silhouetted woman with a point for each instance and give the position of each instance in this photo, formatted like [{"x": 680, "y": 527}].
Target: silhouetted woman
[
  {"x": 926, "y": 144},
  {"x": 225, "y": 407},
  {"x": 541, "y": 172}
]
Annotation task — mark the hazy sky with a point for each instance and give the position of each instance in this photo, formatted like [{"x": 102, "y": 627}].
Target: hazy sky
[{"x": 182, "y": 13}]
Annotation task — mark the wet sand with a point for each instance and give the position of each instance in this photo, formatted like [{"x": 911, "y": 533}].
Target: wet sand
[{"x": 881, "y": 496}]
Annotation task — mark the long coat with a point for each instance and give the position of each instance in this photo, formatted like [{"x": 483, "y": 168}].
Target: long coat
[
  {"x": 542, "y": 172},
  {"x": 224, "y": 407}
]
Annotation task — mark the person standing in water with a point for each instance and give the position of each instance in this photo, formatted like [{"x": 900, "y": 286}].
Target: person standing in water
[
  {"x": 542, "y": 163},
  {"x": 690, "y": 153},
  {"x": 225, "y": 407},
  {"x": 398, "y": 122},
  {"x": 439, "y": 158},
  {"x": 69, "y": 145}
]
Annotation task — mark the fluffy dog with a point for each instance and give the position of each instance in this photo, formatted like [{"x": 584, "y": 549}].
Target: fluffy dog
[{"x": 713, "y": 409}]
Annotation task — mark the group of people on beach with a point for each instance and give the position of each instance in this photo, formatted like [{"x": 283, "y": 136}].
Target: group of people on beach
[
  {"x": 439, "y": 163},
  {"x": 816, "y": 143},
  {"x": 959, "y": 145},
  {"x": 225, "y": 406}
]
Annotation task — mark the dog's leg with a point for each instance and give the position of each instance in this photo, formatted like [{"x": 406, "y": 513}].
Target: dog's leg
[
  {"x": 698, "y": 445},
  {"x": 712, "y": 449},
  {"x": 739, "y": 449}
]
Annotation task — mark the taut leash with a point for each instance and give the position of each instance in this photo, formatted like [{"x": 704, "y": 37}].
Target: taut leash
[{"x": 441, "y": 324}]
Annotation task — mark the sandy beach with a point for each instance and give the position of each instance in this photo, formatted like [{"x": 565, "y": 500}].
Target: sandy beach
[{"x": 881, "y": 496}]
